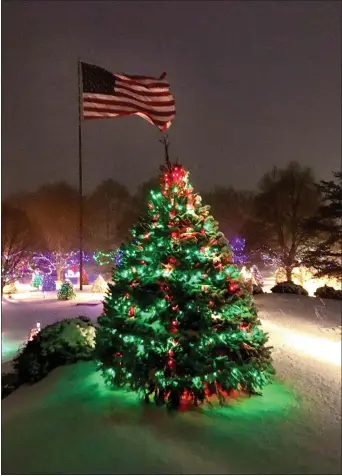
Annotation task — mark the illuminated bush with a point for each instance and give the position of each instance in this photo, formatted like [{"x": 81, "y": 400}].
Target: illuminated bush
[
  {"x": 49, "y": 284},
  {"x": 37, "y": 280},
  {"x": 10, "y": 288},
  {"x": 99, "y": 286},
  {"x": 66, "y": 292}
]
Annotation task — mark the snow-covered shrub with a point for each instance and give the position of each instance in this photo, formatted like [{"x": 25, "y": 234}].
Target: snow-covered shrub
[
  {"x": 66, "y": 292},
  {"x": 58, "y": 344},
  {"x": 100, "y": 285},
  {"x": 257, "y": 289},
  {"x": 328, "y": 292},
  {"x": 49, "y": 284},
  {"x": 289, "y": 287}
]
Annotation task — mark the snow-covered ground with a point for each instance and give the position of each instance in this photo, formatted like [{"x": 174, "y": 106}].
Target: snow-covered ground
[
  {"x": 22, "y": 312},
  {"x": 70, "y": 423}
]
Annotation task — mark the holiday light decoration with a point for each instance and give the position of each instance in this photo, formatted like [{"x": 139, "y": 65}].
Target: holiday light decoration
[
  {"x": 50, "y": 263},
  {"x": 66, "y": 291},
  {"x": 238, "y": 245},
  {"x": 100, "y": 285},
  {"x": 112, "y": 257},
  {"x": 49, "y": 284},
  {"x": 10, "y": 288},
  {"x": 178, "y": 322},
  {"x": 306, "y": 278},
  {"x": 37, "y": 280},
  {"x": 14, "y": 265},
  {"x": 102, "y": 258}
]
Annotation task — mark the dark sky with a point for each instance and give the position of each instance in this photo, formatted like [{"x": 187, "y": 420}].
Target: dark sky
[{"x": 256, "y": 84}]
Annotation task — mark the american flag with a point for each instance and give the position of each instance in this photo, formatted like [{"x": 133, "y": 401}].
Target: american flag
[{"x": 107, "y": 94}]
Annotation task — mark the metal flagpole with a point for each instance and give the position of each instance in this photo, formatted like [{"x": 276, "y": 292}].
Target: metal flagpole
[{"x": 80, "y": 170}]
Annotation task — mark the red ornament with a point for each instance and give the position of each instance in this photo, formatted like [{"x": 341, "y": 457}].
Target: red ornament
[
  {"x": 175, "y": 323},
  {"x": 233, "y": 287},
  {"x": 211, "y": 304},
  {"x": 174, "y": 235},
  {"x": 170, "y": 363},
  {"x": 171, "y": 353},
  {"x": 172, "y": 260},
  {"x": 131, "y": 311},
  {"x": 175, "y": 308}
]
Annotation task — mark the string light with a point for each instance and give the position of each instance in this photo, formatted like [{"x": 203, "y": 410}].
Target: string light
[{"x": 176, "y": 312}]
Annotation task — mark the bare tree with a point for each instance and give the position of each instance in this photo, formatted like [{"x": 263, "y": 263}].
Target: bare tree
[
  {"x": 18, "y": 239},
  {"x": 230, "y": 207},
  {"x": 109, "y": 215},
  {"x": 56, "y": 208},
  {"x": 286, "y": 198}
]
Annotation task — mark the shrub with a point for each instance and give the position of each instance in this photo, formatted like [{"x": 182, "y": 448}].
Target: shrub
[
  {"x": 66, "y": 292},
  {"x": 288, "y": 287},
  {"x": 58, "y": 344},
  {"x": 328, "y": 292},
  {"x": 49, "y": 284},
  {"x": 257, "y": 289},
  {"x": 99, "y": 286}
]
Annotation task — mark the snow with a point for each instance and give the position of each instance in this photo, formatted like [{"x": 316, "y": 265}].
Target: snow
[{"x": 70, "y": 423}]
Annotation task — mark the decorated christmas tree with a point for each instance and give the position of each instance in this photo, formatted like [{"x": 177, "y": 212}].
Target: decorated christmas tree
[
  {"x": 178, "y": 323},
  {"x": 100, "y": 285},
  {"x": 66, "y": 292},
  {"x": 37, "y": 280},
  {"x": 49, "y": 284}
]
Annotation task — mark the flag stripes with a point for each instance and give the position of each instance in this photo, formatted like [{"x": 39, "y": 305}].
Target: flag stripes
[{"x": 114, "y": 95}]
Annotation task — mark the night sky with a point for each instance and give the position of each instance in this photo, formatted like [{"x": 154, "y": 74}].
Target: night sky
[{"x": 256, "y": 84}]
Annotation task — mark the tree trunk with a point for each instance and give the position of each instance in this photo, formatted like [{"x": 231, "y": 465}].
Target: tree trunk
[
  {"x": 288, "y": 273},
  {"x": 59, "y": 272}
]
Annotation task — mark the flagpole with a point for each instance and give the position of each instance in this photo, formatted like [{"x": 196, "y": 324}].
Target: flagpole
[{"x": 80, "y": 168}]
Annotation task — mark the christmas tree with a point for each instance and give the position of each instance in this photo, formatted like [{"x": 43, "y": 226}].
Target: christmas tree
[
  {"x": 37, "y": 280},
  {"x": 85, "y": 279},
  {"x": 99, "y": 286},
  {"x": 49, "y": 284},
  {"x": 178, "y": 322},
  {"x": 66, "y": 292}
]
